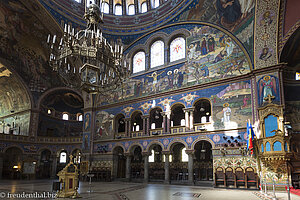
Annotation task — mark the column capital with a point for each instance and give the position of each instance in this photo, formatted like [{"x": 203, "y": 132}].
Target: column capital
[
  {"x": 146, "y": 154},
  {"x": 128, "y": 154},
  {"x": 127, "y": 119},
  {"x": 190, "y": 151},
  {"x": 166, "y": 152},
  {"x": 189, "y": 109},
  {"x": 145, "y": 116},
  {"x": 165, "y": 113}
]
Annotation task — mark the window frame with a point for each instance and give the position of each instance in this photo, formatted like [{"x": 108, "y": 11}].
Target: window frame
[{"x": 162, "y": 54}]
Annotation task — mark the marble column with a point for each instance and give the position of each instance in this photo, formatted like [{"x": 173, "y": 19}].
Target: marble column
[
  {"x": 144, "y": 125},
  {"x": 164, "y": 125},
  {"x": 191, "y": 166},
  {"x": 129, "y": 128},
  {"x": 146, "y": 167},
  {"x": 126, "y": 127},
  {"x": 54, "y": 166},
  {"x": 147, "y": 125},
  {"x": 167, "y": 168},
  {"x": 168, "y": 122},
  {"x": 128, "y": 167},
  {"x": 186, "y": 118},
  {"x": 191, "y": 119}
]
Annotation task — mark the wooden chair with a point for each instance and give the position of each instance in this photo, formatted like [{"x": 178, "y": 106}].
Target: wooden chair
[
  {"x": 230, "y": 177},
  {"x": 239, "y": 177},
  {"x": 220, "y": 177},
  {"x": 251, "y": 178}
]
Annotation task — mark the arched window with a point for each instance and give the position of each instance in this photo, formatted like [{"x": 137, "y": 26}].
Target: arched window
[
  {"x": 79, "y": 117},
  {"x": 49, "y": 112},
  {"x": 118, "y": 9},
  {"x": 184, "y": 156},
  {"x": 157, "y": 53},
  {"x": 144, "y": 7},
  {"x": 139, "y": 62},
  {"x": 78, "y": 1},
  {"x": 155, "y": 3},
  {"x": 177, "y": 49},
  {"x": 63, "y": 157},
  {"x": 65, "y": 116},
  {"x": 131, "y": 9},
  {"x": 105, "y": 8},
  {"x": 151, "y": 157}
]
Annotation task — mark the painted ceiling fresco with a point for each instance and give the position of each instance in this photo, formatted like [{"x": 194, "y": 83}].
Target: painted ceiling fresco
[
  {"x": 14, "y": 97},
  {"x": 23, "y": 44},
  {"x": 211, "y": 55}
]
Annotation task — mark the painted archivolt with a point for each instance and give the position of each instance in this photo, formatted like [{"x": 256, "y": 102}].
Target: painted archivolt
[{"x": 265, "y": 33}]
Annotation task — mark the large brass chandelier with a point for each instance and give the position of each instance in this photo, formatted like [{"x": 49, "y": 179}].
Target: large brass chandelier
[{"x": 86, "y": 59}]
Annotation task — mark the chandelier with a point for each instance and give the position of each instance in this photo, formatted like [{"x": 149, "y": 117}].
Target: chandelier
[{"x": 85, "y": 59}]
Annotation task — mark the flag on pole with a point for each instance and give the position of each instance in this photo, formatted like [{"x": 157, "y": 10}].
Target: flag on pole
[{"x": 251, "y": 136}]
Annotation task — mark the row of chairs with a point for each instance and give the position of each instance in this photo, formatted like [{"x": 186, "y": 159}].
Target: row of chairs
[{"x": 236, "y": 178}]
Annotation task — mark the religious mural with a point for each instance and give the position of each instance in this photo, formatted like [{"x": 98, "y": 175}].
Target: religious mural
[
  {"x": 22, "y": 43},
  {"x": 236, "y": 16},
  {"x": 211, "y": 55},
  {"x": 104, "y": 125},
  {"x": 230, "y": 103},
  {"x": 13, "y": 96},
  {"x": 268, "y": 89}
]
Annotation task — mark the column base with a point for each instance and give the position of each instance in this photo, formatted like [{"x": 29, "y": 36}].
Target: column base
[
  {"x": 191, "y": 183},
  {"x": 145, "y": 180},
  {"x": 167, "y": 182}
]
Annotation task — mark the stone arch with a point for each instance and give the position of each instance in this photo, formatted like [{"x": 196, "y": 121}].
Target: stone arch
[
  {"x": 172, "y": 143},
  {"x": 202, "y": 139},
  {"x": 13, "y": 146},
  {"x": 52, "y": 90},
  {"x": 118, "y": 145},
  {"x": 43, "y": 149},
  {"x": 134, "y": 145},
  {"x": 152, "y": 143}
]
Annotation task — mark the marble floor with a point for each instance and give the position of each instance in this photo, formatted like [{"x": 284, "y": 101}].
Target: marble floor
[{"x": 131, "y": 191}]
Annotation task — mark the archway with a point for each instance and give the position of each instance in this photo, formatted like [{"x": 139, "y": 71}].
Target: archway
[
  {"x": 203, "y": 164},
  {"x": 119, "y": 164},
  {"x": 177, "y": 115},
  {"x": 156, "y": 118},
  {"x": 178, "y": 163},
  {"x": 136, "y": 121},
  {"x": 12, "y": 163},
  {"x": 156, "y": 163},
  {"x": 136, "y": 164},
  {"x": 44, "y": 169},
  {"x": 202, "y": 112},
  {"x": 119, "y": 125}
]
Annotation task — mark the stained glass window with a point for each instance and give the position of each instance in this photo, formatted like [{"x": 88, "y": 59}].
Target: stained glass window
[
  {"x": 105, "y": 8},
  {"x": 155, "y": 3},
  {"x": 157, "y": 54},
  {"x": 177, "y": 49},
  {"x": 131, "y": 9},
  {"x": 118, "y": 9},
  {"x": 138, "y": 62},
  {"x": 297, "y": 76},
  {"x": 144, "y": 7}
]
